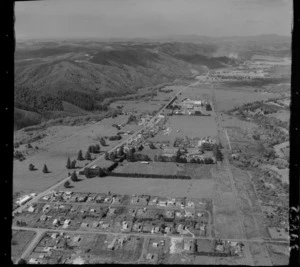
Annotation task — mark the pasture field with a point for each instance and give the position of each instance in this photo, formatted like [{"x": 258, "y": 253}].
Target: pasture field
[
  {"x": 20, "y": 240},
  {"x": 229, "y": 99},
  {"x": 163, "y": 168},
  {"x": 54, "y": 149},
  {"x": 155, "y": 187},
  {"x": 141, "y": 106}
]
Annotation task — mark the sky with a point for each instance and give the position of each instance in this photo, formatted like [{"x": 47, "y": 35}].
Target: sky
[{"x": 151, "y": 18}]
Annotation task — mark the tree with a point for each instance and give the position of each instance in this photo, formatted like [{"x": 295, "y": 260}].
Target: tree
[
  {"x": 140, "y": 148},
  {"x": 88, "y": 156},
  {"x": 68, "y": 166},
  {"x": 31, "y": 167},
  {"x": 101, "y": 172},
  {"x": 102, "y": 142},
  {"x": 67, "y": 184},
  {"x": 80, "y": 157},
  {"x": 112, "y": 156},
  {"x": 21, "y": 261},
  {"x": 106, "y": 156},
  {"x": 74, "y": 177},
  {"x": 45, "y": 169},
  {"x": 121, "y": 151},
  {"x": 87, "y": 173},
  {"x": 73, "y": 164},
  {"x": 97, "y": 148},
  {"x": 151, "y": 146}
]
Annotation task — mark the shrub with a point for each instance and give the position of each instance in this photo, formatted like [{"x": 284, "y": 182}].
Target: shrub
[{"x": 31, "y": 167}]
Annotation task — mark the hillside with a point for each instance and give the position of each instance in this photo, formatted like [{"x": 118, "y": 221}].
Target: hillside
[{"x": 53, "y": 78}]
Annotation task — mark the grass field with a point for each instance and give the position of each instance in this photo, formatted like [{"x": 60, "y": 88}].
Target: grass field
[
  {"x": 60, "y": 143},
  {"x": 163, "y": 168},
  {"x": 20, "y": 240},
  {"x": 156, "y": 187}
]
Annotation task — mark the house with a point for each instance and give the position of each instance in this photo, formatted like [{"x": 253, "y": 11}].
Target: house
[
  {"x": 31, "y": 209},
  {"x": 149, "y": 256},
  {"x": 46, "y": 208},
  {"x": 33, "y": 261},
  {"x": 43, "y": 217},
  {"x": 188, "y": 214},
  {"x": 84, "y": 225},
  {"x": 137, "y": 227},
  {"x": 77, "y": 238},
  {"x": 54, "y": 235},
  {"x": 95, "y": 224},
  {"x": 188, "y": 245},
  {"x": 180, "y": 228},
  {"x": 67, "y": 222},
  {"x": 125, "y": 225},
  {"x": 162, "y": 203},
  {"x": 155, "y": 244},
  {"x": 56, "y": 222},
  {"x": 112, "y": 243},
  {"x": 156, "y": 229},
  {"x": 167, "y": 229}
]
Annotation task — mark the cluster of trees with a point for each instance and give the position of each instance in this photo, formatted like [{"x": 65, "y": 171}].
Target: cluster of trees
[
  {"x": 154, "y": 176},
  {"x": 94, "y": 149},
  {"x": 87, "y": 156},
  {"x": 208, "y": 107},
  {"x": 217, "y": 152},
  {"x": 31, "y": 167},
  {"x": 183, "y": 159},
  {"x": 115, "y": 137},
  {"x": 71, "y": 164},
  {"x": 168, "y": 107},
  {"x": 36, "y": 100},
  {"x": 152, "y": 146},
  {"x": 19, "y": 155},
  {"x": 100, "y": 172}
]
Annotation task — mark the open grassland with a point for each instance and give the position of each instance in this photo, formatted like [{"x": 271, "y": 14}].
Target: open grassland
[
  {"x": 20, "y": 240},
  {"x": 156, "y": 187},
  {"x": 141, "y": 106},
  {"x": 54, "y": 149},
  {"x": 229, "y": 99},
  {"x": 279, "y": 254},
  {"x": 163, "y": 168}
]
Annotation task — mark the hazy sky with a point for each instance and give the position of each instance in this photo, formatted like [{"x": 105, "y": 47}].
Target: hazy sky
[{"x": 149, "y": 18}]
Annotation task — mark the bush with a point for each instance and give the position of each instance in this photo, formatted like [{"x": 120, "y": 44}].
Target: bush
[{"x": 31, "y": 167}]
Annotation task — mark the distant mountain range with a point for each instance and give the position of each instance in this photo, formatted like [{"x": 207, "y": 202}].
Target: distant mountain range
[{"x": 71, "y": 77}]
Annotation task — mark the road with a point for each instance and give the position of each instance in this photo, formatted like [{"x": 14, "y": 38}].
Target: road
[{"x": 47, "y": 191}]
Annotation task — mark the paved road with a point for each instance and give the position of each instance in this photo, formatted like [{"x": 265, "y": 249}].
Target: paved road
[
  {"x": 47, "y": 191},
  {"x": 98, "y": 231}
]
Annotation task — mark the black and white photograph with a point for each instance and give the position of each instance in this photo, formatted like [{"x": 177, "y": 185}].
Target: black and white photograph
[{"x": 152, "y": 132}]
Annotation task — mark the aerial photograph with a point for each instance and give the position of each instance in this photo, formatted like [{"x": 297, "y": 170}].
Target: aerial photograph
[{"x": 152, "y": 132}]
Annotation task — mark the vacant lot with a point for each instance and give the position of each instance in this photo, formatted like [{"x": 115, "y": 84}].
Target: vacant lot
[{"x": 20, "y": 240}]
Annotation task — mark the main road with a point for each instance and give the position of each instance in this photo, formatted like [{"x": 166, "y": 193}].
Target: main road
[{"x": 47, "y": 191}]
